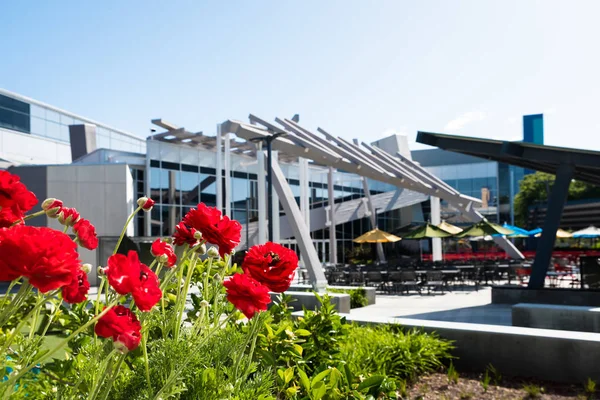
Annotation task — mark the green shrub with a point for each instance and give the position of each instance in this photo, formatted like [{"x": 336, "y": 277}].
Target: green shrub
[
  {"x": 391, "y": 351},
  {"x": 358, "y": 297}
]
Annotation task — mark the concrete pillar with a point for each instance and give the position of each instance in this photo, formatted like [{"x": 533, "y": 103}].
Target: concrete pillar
[
  {"x": 436, "y": 244},
  {"x": 83, "y": 140},
  {"x": 262, "y": 195},
  {"x": 304, "y": 195},
  {"x": 332, "y": 237},
  {"x": 227, "y": 168},
  {"x": 219, "y": 169}
]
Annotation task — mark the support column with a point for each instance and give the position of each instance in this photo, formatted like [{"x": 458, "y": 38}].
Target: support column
[
  {"x": 379, "y": 246},
  {"x": 436, "y": 243},
  {"x": 172, "y": 207},
  {"x": 332, "y": 238},
  {"x": 556, "y": 204},
  {"x": 219, "y": 169},
  {"x": 227, "y": 175},
  {"x": 299, "y": 229},
  {"x": 262, "y": 195},
  {"x": 275, "y": 205},
  {"x": 304, "y": 196}
]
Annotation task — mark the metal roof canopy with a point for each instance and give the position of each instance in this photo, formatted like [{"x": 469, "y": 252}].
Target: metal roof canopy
[
  {"x": 537, "y": 157},
  {"x": 366, "y": 161},
  {"x": 565, "y": 163}
]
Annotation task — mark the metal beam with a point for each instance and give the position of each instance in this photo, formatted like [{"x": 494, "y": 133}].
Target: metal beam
[
  {"x": 227, "y": 163},
  {"x": 556, "y": 204},
  {"x": 301, "y": 232}
]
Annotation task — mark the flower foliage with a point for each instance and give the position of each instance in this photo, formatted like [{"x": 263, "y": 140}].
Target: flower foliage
[
  {"x": 164, "y": 252},
  {"x": 46, "y": 257},
  {"x": 77, "y": 290},
  {"x": 247, "y": 295},
  {"x": 127, "y": 275},
  {"x": 272, "y": 265},
  {"x": 120, "y": 324},
  {"x": 15, "y": 199},
  {"x": 215, "y": 228},
  {"x": 86, "y": 234}
]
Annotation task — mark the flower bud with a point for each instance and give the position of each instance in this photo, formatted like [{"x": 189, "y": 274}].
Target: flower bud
[
  {"x": 198, "y": 235},
  {"x": 163, "y": 258},
  {"x": 87, "y": 268},
  {"x": 101, "y": 271},
  {"x": 145, "y": 203},
  {"x": 200, "y": 249},
  {"x": 217, "y": 278},
  {"x": 204, "y": 304},
  {"x": 213, "y": 252},
  {"x": 68, "y": 216},
  {"x": 52, "y": 207}
]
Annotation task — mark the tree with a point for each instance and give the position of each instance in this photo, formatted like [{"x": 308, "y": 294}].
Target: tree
[{"x": 536, "y": 188}]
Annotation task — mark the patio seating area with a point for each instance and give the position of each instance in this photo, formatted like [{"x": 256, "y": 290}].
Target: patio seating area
[{"x": 410, "y": 277}]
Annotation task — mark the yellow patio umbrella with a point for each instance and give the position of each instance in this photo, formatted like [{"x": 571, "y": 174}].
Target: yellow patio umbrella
[
  {"x": 377, "y": 236},
  {"x": 560, "y": 234},
  {"x": 449, "y": 228}
]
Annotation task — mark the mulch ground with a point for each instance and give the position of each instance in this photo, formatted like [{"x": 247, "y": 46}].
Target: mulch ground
[{"x": 469, "y": 386}]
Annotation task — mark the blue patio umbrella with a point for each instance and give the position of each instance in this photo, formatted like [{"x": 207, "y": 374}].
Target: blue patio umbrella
[
  {"x": 534, "y": 232},
  {"x": 517, "y": 232}
]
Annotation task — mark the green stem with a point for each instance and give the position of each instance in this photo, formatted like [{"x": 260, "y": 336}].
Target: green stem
[
  {"x": 66, "y": 228},
  {"x": 22, "y": 294},
  {"x": 7, "y": 295},
  {"x": 36, "y": 308},
  {"x": 182, "y": 299},
  {"x": 254, "y": 338},
  {"x": 54, "y": 314},
  {"x": 125, "y": 229},
  {"x": 100, "y": 375},
  {"x": 59, "y": 346},
  {"x": 25, "y": 218},
  {"x": 145, "y": 349},
  {"x": 113, "y": 376},
  {"x": 181, "y": 365}
]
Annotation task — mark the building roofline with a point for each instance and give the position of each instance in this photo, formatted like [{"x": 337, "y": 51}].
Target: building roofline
[{"x": 70, "y": 114}]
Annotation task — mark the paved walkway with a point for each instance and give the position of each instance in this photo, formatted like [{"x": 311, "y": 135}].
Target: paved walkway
[{"x": 458, "y": 306}]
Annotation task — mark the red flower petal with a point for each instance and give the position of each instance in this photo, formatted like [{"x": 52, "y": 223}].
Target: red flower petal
[
  {"x": 247, "y": 295},
  {"x": 271, "y": 264}
]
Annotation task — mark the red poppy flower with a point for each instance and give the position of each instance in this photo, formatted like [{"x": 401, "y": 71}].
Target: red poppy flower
[
  {"x": 246, "y": 294},
  {"x": 145, "y": 203},
  {"x": 15, "y": 199},
  {"x": 126, "y": 274},
  {"x": 46, "y": 257},
  {"x": 86, "y": 234},
  {"x": 68, "y": 216},
  {"x": 52, "y": 207},
  {"x": 272, "y": 265},
  {"x": 215, "y": 229},
  {"x": 77, "y": 290},
  {"x": 164, "y": 252},
  {"x": 120, "y": 324},
  {"x": 184, "y": 234}
]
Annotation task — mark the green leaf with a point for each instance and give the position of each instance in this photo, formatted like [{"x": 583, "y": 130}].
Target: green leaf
[
  {"x": 297, "y": 348},
  {"x": 334, "y": 377},
  {"x": 370, "y": 382},
  {"x": 280, "y": 374},
  {"x": 319, "y": 390},
  {"x": 304, "y": 379},
  {"x": 302, "y": 332},
  {"x": 320, "y": 376},
  {"x": 289, "y": 374},
  {"x": 291, "y": 391},
  {"x": 348, "y": 373}
]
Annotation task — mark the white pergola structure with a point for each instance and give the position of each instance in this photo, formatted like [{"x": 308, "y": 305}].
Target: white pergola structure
[{"x": 337, "y": 153}]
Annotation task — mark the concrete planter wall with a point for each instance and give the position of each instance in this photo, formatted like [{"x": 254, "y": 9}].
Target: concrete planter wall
[{"x": 568, "y": 297}]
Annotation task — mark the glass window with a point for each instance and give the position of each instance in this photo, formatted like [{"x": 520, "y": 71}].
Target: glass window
[
  {"x": 190, "y": 188},
  {"x": 208, "y": 189},
  {"x": 239, "y": 192}
]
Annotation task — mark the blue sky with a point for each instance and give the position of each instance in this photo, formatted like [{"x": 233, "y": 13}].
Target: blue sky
[{"x": 355, "y": 68}]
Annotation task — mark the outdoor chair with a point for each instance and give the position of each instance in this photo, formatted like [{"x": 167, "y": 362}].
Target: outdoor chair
[
  {"x": 356, "y": 278},
  {"x": 408, "y": 281},
  {"x": 434, "y": 280},
  {"x": 374, "y": 278}
]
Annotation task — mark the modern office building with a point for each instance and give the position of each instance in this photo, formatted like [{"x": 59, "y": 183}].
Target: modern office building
[
  {"x": 496, "y": 184},
  {"x": 333, "y": 190}
]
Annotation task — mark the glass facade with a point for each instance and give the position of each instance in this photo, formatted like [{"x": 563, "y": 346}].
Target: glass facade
[
  {"x": 34, "y": 119},
  {"x": 180, "y": 177}
]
